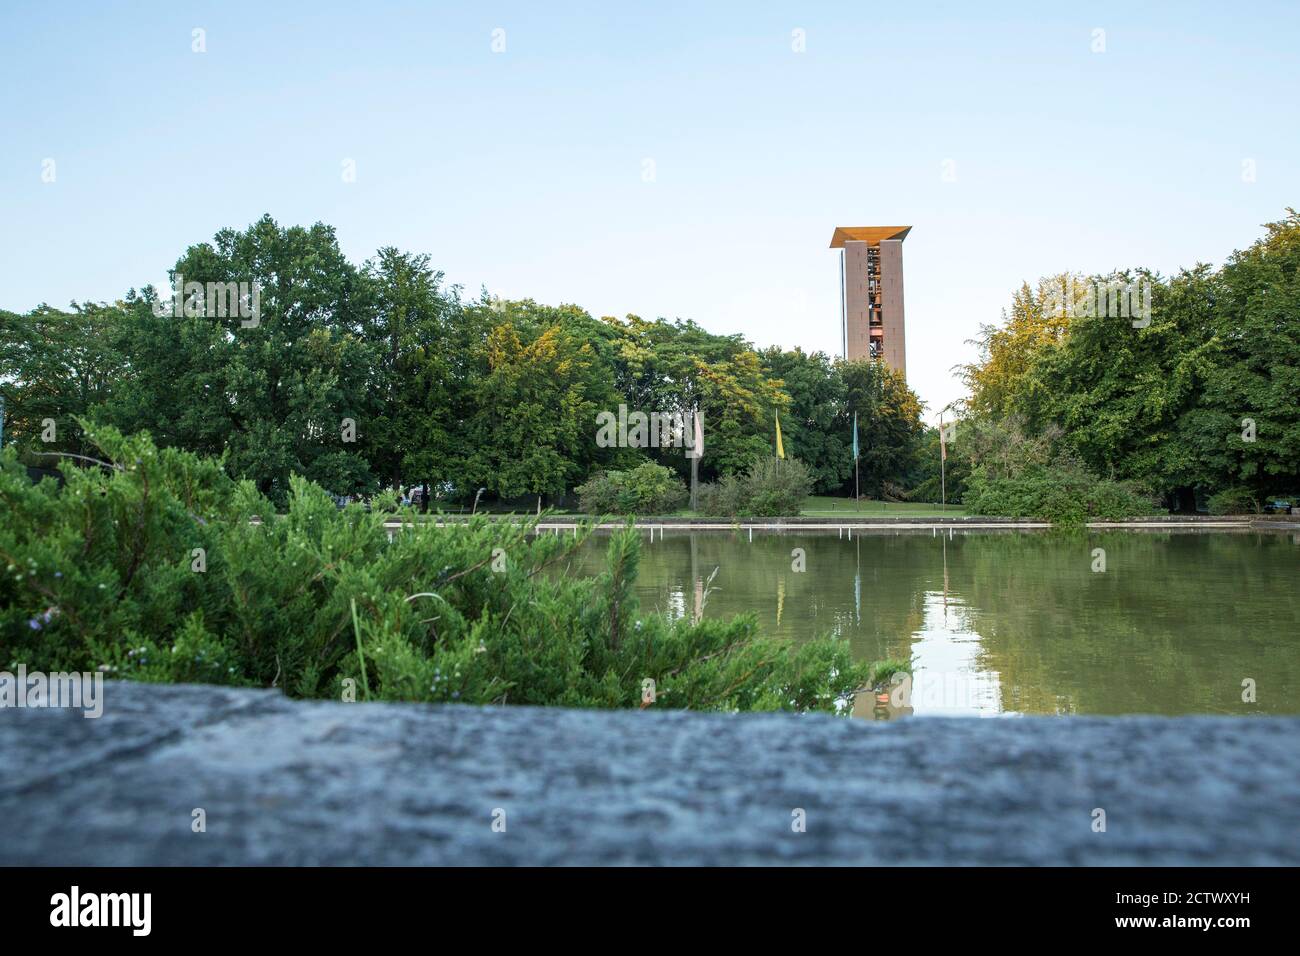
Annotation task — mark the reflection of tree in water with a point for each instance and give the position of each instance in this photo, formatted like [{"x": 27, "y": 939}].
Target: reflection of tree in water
[
  {"x": 756, "y": 578},
  {"x": 1172, "y": 626}
]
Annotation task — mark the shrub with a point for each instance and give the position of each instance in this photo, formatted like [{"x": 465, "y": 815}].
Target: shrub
[
  {"x": 106, "y": 572},
  {"x": 1059, "y": 496},
  {"x": 1233, "y": 501},
  {"x": 774, "y": 487},
  {"x": 647, "y": 489},
  {"x": 883, "y": 671},
  {"x": 602, "y": 494},
  {"x": 724, "y": 497},
  {"x": 770, "y": 488}
]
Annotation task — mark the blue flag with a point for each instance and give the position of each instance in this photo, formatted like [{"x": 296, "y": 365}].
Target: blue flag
[{"x": 855, "y": 436}]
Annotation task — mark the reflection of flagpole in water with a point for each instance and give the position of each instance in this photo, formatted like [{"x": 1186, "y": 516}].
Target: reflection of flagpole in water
[
  {"x": 780, "y": 599},
  {"x": 697, "y": 585},
  {"x": 945, "y": 582},
  {"x": 857, "y": 586}
]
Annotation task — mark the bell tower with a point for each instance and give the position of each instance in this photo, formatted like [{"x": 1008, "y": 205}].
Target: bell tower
[{"x": 871, "y": 293}]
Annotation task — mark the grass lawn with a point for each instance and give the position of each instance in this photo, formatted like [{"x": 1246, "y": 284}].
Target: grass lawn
[{"x": 818, "y": 506}]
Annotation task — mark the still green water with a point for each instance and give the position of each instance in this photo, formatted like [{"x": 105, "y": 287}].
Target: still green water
[{"x": 1015, "y": 622}]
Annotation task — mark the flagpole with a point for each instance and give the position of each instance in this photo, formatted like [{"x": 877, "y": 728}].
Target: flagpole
[
  {"x": 697, "y": 448},
  {"x": 943, "y": 471},
  {"x": 857, "y": 494},
  {"x": 695, "y": 482}
]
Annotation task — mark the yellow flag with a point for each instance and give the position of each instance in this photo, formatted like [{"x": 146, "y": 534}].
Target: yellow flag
[{"x": 780, "y": 449}]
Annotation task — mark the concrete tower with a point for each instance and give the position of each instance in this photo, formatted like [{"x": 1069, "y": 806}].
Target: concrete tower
[{"x": 871, "y": 293}]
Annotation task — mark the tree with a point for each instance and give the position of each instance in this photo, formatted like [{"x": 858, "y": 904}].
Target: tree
[
  {"x": 535, "y": 415},
  {"x": 414, "y": 331},
  {"x": 1252, "y": 395},
  {"x": 889, "y": 423},
  {"x": 814, "y": 421},
  {"x": 54, "y": 367},
  {"x": 288, "y": 393},
  {"x": 999, "y": 378},
  {"x": 1200, "y": 400},
  {"x": 678, "y": 366}
]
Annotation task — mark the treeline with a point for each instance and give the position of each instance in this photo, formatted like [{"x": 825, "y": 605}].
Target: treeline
[
  {"x": 383, "y": 375},
  {"x": 1195, "y": 404}
]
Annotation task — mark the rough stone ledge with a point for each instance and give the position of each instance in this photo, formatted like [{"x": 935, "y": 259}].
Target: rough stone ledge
[{"x": 292, "y": 782}]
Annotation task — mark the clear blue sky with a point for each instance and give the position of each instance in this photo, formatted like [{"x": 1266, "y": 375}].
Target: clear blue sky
[{"x": 522, "y": 171}]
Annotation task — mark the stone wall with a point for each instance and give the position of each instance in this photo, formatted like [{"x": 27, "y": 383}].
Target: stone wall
[{"x": 290, "y": 782}]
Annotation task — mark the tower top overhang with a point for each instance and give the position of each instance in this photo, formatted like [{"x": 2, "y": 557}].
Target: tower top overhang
[{"x": 872, "y": 235}]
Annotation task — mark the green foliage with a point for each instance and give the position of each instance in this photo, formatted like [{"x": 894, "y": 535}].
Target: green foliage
[
  {"x": 1007, "y": 469},
  {"x": 414, "y": 328},
  {"x": 270, "y": 396},
  {"x": 1056, "y": 495},
  {"x": 194, "y": 655},
  {"x": 55, "y": 366},
  {"x": 1168, "y": 404},
  {"x": 157, "y": 566},
  {"x": 818, "y": 421},
  {"x": 817, "y": 424},
  {"x": 662, "y": 366},
  {"x": 889, "y": 425},
  {"x": 932, "y": 480},
  {"x": 769, "y": 488},
  {"x": 882, "y": 671},
  {"x": 536, "y": 409},
  {"x": 647, "y": 489},
  {"x": 1233, "y": 501},
  {"x": 723, "y": 498}
]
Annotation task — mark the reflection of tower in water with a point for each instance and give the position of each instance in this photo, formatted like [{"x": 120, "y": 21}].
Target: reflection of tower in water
[
  {"x": 950, "y": 678},
  {"x": 697, "y": 609}
]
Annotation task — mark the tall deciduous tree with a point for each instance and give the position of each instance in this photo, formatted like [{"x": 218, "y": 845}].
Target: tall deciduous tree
[
  {"x": 54, "y": 367},
  {"x": 416, "y": 335},
  {"x": 815, "y": 424},
  {"x": 889, "y": 422},
  {"x": 284, "y": 392}
]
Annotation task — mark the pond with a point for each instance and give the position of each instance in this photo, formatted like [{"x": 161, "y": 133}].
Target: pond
[{"x": 1015, "y": 622}]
